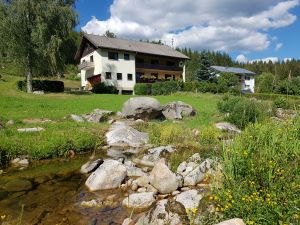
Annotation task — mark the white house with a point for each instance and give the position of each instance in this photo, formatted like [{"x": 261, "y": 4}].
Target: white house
[
  {"x": 123, "y": 63},
  {"x": 247, "y": 78}
]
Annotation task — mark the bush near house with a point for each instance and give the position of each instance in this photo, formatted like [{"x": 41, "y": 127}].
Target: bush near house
[
  {"x": 142, "y": 89},
  {"x": 102, "y": 88},
  {"x": 261, "y": 176},
  {"x": 45, "y": 85},
  {"x": 166, "y": 88},
  {"x": 242, "y": 111}
]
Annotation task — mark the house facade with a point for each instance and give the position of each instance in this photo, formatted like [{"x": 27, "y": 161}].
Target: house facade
[
  {"x": 246, "y": 77},
  {"x": 123, "y": 63}
]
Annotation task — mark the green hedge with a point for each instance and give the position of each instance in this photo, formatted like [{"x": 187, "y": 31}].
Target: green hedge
[
  {"x": 102, "y": 88},
  {"x": 45, "y": 85},
  {"x": 143, "y": 89},
  {"x": 167, "y": 87}
]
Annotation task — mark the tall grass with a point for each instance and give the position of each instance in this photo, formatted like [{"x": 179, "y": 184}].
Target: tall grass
[{"x": 262, "y": 175}]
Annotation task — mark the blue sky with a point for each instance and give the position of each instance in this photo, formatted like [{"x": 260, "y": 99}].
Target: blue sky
[{"x": 256, "y": 30}]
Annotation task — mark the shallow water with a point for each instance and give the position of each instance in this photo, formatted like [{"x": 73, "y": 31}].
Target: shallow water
[{"x": 51, "y": 192}]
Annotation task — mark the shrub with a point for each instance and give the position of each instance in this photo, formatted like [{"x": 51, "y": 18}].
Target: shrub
[
  {"x": 262, "y": 175},
  {"x": 45, "y": 85},
  {"x": 166, "y": 88},
  {"x": 281, "y": 102},
  {"x": 227, "y": 82},
  {"x": 190, "y": 86},
  {"x": 102, "y": 88},
  {"x": 142, "y": 89},
  {"x": 242, "y": 111},
  {"x": 289, "y": 87},
  {"x": 265, "y": 83}
]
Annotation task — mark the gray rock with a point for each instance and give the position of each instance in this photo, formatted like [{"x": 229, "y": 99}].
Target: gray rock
[
  {"x": 91, "y": 166},
  {"x": 20, "y": 162},
  {"x": 139, "y": 201},
  {"x": 127, "y": 221},
  {"x": 155, "y": 153},
  {"x": 190, "y": 199},
  {"x": 198, "y": 174},
  {"x": 195, "y": 158},
  {"x": 225, "y": 126},
  {"x": 163, "y": 179},
  {"x": 91, "y": 204},
  {"x": 143, "y": 181},
  {"x": 235, "y": 221},
  {"x": 123, "y": 135},
  {"x": 38, "y": 92},
  {"x": 33, "y": 129},
  {"x": 133, "y": 171},
  {"x": 144, "y": 108},
  {"x": 159, "y": 215},
  {"x": 109, "y": 175},
  {"x": 77, "y": 118},
  {"x": 141, "y": 190},
  {"x": 98, "y": 115},
  {"x": 177, "y": 110},
  {"x": 10, "y": 122},
  {"x": 150, "y": 188},
  {"x": 144, "y": 163}
]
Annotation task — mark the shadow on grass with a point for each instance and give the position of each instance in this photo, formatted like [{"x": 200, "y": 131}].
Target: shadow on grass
[{"x": 78, "y": 92}]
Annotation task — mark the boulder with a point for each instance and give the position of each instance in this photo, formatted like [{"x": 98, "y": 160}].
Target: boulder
[
  {"x": 177, "y": 110},
  {"x": 122, "y": 135},
  {"x": 225, "y": 126},
  {"x": 155, "y": 153},
  {"x": 77, "y": 118},
  {"x": 189, "y": 199},
  {"x": 38, "y": 92},
  {"x": 139, "y": 201},
  {"x": 91, "y": 166},
  {"x": 33, "y": 129},
  {"x": 198, "y": 174},
  {"x": 235, "y": 221},
  {"x": 109, "y": 175},
  {"x": 36, "y": 120},
  {"x": 163, "y": 179},
  {"x": 144, "y": 108},
  {"x": 159, "y": 215},
  {"x": 143, "y": 181}
]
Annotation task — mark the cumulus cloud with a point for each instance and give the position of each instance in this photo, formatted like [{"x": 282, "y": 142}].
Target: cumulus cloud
[
  {"x": 266, "y": 60},
  {"x": 217, "y": 25},
  {"x": 241, "y": 59}
]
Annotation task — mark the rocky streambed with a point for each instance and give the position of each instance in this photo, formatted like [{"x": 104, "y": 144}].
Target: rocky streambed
[{"x": 131, "y": 183}]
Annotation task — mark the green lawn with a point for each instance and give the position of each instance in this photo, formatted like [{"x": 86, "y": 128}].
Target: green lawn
[
  {"x": 64, "y": 135},
  {"x": 18, "y": 105}
]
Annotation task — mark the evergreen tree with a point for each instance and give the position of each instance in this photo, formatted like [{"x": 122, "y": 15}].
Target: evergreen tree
[
  {"x": 204, "y": 72},
  {"x": 110, "y": 34}
]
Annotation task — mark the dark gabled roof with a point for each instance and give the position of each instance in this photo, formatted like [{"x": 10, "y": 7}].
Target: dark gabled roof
[
  {"x": 132, "y": 46},
  {"x": 235, "y": 70}
]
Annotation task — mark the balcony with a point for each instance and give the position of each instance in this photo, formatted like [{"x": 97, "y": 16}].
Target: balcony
[
  {"x": 157, "y": 67},
  {"x": 86, "y": 65}
]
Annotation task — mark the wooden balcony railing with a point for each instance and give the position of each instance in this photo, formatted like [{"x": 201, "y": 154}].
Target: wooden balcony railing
[
  {"x": 157, "y": 67},
  {"x": 86, "y": 65}
]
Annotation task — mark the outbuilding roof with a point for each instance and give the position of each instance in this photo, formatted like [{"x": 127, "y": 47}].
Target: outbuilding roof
[
  {"x": 133, "y": 46},
  {"x": 235, "y": 70}
]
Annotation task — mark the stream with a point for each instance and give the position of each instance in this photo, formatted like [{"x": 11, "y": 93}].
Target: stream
[{"x": 50, "y": 192}]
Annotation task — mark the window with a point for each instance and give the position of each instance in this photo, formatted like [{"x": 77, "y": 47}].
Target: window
[
  {"x": 247, "y": 78},
  {"x": 154, "y": 62},
  {"x": 91, "y": 58},
  {"x": 108, "y": 75},
  {"x": 126, "y": 56},
  {"x": 119, "y": 76},
  {"x": 129, "y": 76},
  {"x": 113, "y": 55}
]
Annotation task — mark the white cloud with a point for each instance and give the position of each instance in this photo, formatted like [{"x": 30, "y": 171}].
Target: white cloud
[
  {"x": 278, "y": 46},
  {"x": 266, "y": 60},
  {"x": 241, "y": 59},
  {"x": 217, "y": 25}
]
